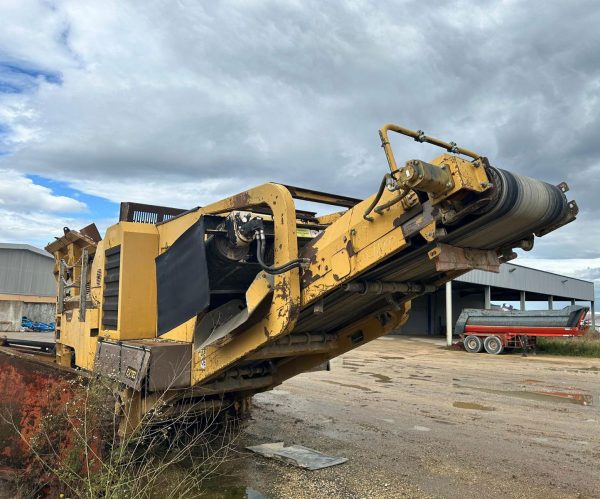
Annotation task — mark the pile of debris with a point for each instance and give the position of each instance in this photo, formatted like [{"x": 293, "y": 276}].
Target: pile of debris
[{"x": 40, "y": 327}]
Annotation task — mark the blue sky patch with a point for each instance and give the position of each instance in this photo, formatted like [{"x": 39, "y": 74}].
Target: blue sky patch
[
  {"x": 18, "y": 77},
  {"x": 98, "y": 208}
]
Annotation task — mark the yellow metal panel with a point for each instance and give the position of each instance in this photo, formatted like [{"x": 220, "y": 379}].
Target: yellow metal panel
[
  {"x": 137, "y": 282},
  {"x": 465, "y": 175},
  {"x": 365, "y": 244},
  {"x": 170, "y": 231},
  {"x": 77, "y": 335},
  {"x": 183, "y": 332}
]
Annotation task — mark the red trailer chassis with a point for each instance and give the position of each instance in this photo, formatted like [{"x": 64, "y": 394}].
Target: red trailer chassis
[{"x": 494, "y": 339}]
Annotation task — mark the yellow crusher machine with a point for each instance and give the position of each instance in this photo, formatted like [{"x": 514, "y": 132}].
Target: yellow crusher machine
[{"x": 211, "y": 305}]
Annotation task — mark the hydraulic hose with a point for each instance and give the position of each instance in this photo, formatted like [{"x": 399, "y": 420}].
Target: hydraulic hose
[
  {"x": 392, "y": 201},
  {"x": 377, "y": 198},
  {"x": 260, "y": 257}
]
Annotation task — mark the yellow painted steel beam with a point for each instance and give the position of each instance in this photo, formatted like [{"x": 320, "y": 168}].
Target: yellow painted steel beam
[{"x": 285, "y": 305}]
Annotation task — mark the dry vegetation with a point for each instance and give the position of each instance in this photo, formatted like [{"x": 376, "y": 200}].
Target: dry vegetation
[
  {"x": 79, "y": 453},
  {"x": 583, "y": 346}
]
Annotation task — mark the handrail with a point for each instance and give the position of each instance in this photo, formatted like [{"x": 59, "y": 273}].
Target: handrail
[{"x": 419, "y": 136}]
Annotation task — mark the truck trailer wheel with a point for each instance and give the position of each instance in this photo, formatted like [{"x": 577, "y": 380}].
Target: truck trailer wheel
[
  {"x": 493, "y": 345},
  {"x": 473, "y": 344}
]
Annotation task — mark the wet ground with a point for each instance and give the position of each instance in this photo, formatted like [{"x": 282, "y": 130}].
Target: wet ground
[{"x": 417, "y": 420}]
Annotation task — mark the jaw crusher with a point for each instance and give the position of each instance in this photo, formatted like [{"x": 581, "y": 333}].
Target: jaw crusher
[{"x": 211, "y": 305}]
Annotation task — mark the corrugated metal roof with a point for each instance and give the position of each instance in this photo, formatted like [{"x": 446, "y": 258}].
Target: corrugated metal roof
[
  {"x": 513, "y": 276},
  {"x": 26, "y": 247}
]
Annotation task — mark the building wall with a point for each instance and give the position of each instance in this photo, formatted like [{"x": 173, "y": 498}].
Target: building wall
[
  {"x": 40, "y": 312},
  {"x": 11, "y": 313},
  {"x": 27, "y": 273},
  {"x": 428, "y": 313}
]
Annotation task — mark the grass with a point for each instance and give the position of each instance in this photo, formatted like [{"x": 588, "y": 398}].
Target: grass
[{"x": 583, "y": 346}]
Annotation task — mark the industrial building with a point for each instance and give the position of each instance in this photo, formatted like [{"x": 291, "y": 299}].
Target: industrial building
[
  {"x": 27, "y": 285},
  {"x": 478, "y": 289}
]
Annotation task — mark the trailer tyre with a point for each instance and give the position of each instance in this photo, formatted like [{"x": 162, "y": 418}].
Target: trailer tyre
[
  {"x": 473, "y": 344},
  {"x": 493, "y": 345}
]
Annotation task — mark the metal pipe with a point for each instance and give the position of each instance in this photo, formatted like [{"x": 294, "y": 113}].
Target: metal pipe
[
  {"x": 380, "y": 287},
  {"x": 419, "y": 136},
  {"x": 449, "y": 313},
  {"x": 488, "y": 297}
]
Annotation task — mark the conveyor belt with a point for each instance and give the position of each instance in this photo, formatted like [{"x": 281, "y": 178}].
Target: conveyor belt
[{"x": 519, "y": 207}]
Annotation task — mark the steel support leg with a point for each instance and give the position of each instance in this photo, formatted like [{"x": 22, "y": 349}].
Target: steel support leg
[{"x": 449, "y": 313}]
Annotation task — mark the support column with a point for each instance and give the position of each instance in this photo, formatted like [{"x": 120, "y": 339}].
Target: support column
[
  {"x": 523, "y": 300},
  {"x": 550, "y": 302},
  {"x": 449, "y": 313},
  {"x": 488, "y": 297},
  {"x": 593, "y": 315},
  {"x": 572, "y": 301}
]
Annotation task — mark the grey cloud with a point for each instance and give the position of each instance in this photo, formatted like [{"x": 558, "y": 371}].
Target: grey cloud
[{"x": 241, "y": 93}]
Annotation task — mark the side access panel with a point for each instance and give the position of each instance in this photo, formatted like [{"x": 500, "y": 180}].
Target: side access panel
[{"x": 154, "y": 364}]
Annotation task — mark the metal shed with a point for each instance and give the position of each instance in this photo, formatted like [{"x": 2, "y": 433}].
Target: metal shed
[
  {"x": 27, "y": 285},
  {"x": 435, "y": 314}
]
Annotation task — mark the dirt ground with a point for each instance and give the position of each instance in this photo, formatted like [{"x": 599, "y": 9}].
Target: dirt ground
[{"x": 417, "y": 420}]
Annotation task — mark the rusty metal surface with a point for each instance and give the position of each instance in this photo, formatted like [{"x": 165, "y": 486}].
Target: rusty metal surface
[
  {"x": 147, "y": 213},
  {"x": 152, "y": 364},
  {"x": 448, "y": 257}
]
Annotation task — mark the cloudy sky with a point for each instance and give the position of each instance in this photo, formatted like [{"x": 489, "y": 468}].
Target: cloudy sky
[{"x": 184, "y": 102}]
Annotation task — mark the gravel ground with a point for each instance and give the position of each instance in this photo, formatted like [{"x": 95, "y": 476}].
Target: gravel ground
[{"x": 417, "y": 420}]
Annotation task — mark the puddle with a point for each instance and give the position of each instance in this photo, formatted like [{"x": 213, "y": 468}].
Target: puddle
[
  {"x": 565, "y": 397},
  {"x": 358, "y": 387},
  {"x": 226, "y": 486},
  {"x": 473, "y": 406},
  {"x": 216, "y": 490},
  {"x": 379, "y": 378}
]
